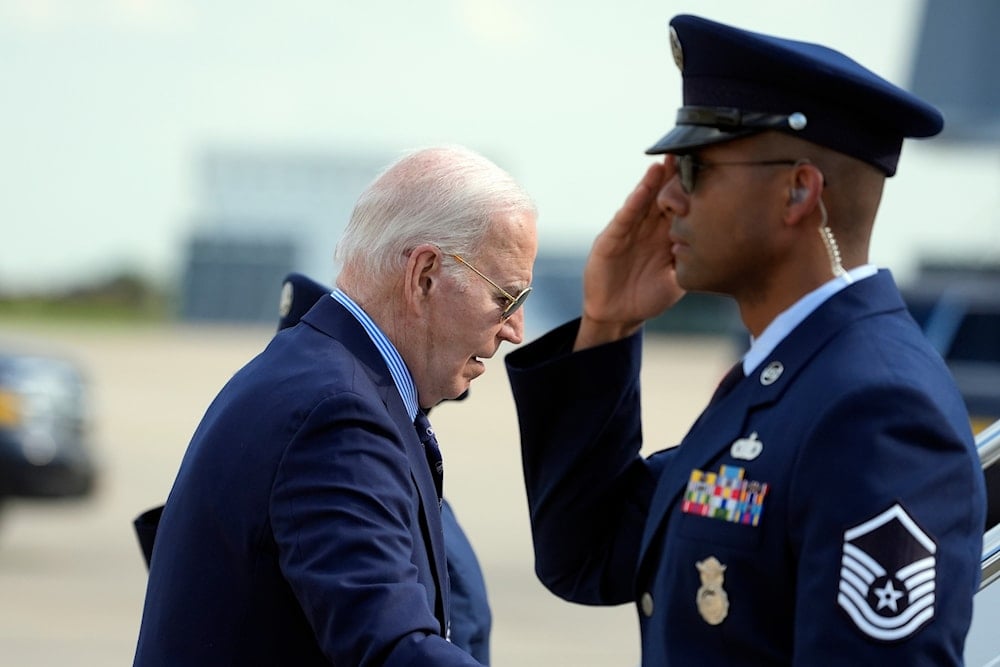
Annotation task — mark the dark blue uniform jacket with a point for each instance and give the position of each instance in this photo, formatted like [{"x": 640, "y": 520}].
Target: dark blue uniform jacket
[{"x": 828, "y": 511}]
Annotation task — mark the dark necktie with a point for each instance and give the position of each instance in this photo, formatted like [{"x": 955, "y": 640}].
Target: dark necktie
[
  {"x": 728, "y": 381},
  {"x": 431, "y": 449}
]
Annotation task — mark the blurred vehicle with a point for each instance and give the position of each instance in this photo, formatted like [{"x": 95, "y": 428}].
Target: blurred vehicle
[
  {"x": 958, "y": 308},
  {"x": 960, "y": 313},
  {"x": 44, "y": 424},
  {"x": 982, "y": 649}
]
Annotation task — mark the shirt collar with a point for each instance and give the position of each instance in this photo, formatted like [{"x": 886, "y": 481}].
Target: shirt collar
[
  {"x": 397, "y": 367},
  {"x": 762, "y": 346}
]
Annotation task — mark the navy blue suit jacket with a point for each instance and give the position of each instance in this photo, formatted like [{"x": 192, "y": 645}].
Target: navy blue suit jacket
[
  {"x": 873, "y": 481},
  {"x": 303, "y": 527},
  {"x": 470, "y": 619}
]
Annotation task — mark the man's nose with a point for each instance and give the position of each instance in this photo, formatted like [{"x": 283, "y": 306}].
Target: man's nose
[{"x": 513, "y": 329}]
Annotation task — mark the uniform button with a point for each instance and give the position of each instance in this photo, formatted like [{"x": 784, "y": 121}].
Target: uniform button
[{"x": 646, "y": 604}]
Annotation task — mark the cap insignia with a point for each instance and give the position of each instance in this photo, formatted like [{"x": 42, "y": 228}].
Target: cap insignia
[
  {"x": 285, "y": 300},
  {"x": 675, "y": 48}
]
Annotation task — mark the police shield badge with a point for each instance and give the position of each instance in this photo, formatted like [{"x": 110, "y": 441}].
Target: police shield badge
[
  {"x": 712, "y": 599},
  {"x": 887, "y": 576}
]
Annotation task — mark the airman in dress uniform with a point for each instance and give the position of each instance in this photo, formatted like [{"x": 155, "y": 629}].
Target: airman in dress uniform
[{"x": 827, "y": 507}]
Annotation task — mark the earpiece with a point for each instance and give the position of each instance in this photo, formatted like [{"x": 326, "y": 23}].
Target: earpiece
[{"x": 798, "y": 194}]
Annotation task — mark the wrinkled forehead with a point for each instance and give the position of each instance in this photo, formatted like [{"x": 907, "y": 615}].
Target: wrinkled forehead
[
  {"x": 509, "y": 248},
  {"x": 512, "y": 233}
]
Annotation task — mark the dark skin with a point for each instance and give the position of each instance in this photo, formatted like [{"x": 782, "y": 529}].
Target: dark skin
[{"x": 748, "y": 232}]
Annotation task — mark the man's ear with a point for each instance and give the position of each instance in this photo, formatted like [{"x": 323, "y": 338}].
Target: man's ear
[
  {"x": 422, "y": 273},
  {"x": 804, "y": 190}
]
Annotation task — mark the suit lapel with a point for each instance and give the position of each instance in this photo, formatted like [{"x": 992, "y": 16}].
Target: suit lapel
[
  {"x": 430, "y": 509},
  {"x": 331, "y": 318}
]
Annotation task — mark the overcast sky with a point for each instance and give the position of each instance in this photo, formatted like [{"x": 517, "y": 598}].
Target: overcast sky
[{"x": 106, "y": 105}]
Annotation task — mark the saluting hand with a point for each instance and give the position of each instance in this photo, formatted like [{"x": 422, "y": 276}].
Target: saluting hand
[{"x": 629, "y": 276}]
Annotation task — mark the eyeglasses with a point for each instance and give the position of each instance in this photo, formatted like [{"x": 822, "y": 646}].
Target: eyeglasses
[
  {"x": 513, "y": 302},
  {"x": 688, "y": 167}
]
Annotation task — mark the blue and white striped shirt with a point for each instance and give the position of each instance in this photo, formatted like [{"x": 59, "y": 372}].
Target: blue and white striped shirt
[{"x": 397, "y": 367}]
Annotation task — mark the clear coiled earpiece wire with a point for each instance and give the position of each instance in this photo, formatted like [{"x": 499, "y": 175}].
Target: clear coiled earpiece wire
[
  {"x": 829, "y": 240},
  {"x": 830, "y": 243}
]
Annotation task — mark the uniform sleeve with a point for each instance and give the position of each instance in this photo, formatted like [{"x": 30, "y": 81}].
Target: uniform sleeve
[
  {"x": 588, "y": 489},
  {"x": 887, "y": 525},
  {"x": 343, "y": 506}
]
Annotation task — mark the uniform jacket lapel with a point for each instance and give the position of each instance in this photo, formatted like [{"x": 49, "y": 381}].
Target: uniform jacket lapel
[{"x": 722, "y": 423}]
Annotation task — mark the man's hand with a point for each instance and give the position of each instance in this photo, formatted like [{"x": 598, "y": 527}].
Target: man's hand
[{"x": 629, "y": 276}]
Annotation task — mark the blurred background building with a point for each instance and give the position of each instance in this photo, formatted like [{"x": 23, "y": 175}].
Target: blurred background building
[
  {"x": 188, "y": 145},
  {"x": 956, "y": 66},
  {"x": 261, "y": 214}
]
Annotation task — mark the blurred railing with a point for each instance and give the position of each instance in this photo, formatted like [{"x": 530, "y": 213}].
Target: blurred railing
[{"x": 988, "y": 444}]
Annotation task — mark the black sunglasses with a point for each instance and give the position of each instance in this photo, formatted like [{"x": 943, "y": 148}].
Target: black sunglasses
[{"x": 688, "y": 167}]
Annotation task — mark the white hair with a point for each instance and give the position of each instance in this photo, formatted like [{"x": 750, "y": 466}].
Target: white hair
[{"x": 445, "y": 195}]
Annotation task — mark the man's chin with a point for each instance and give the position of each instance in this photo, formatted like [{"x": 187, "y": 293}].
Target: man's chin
[{"x": 459, "y": 393}]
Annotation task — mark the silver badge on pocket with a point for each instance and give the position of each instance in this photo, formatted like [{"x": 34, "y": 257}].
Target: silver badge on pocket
[{"x": 747, "y": 449}]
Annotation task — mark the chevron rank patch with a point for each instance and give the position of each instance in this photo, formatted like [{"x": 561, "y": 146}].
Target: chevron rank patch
[{"x": 887, "y": 576}]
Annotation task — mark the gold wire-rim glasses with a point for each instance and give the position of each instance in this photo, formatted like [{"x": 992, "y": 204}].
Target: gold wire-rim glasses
[{"x": 513, "y": 302}]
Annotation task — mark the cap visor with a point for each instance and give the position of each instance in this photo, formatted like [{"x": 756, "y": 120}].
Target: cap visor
[{"x": 685, "y": 138}]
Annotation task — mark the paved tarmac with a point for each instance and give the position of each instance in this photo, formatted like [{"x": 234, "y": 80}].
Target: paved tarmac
[{"x": 72, "y": 577}]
